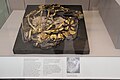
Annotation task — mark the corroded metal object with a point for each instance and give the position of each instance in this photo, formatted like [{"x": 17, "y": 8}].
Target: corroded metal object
[{"x": 48, "y": 25}]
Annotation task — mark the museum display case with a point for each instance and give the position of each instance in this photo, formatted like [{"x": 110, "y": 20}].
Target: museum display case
[{"x": 60, "y": 39}]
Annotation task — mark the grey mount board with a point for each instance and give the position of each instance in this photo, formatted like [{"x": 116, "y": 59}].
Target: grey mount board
[{"x": 79, "y": 45}]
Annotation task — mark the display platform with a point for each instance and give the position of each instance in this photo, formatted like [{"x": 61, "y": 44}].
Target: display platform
[{"x": 79, "y": 45}]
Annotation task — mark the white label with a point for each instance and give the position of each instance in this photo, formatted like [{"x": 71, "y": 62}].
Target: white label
[{"x": 51, "y": 67}]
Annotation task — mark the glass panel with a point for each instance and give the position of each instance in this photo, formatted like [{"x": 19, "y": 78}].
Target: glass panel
[
  {"x": 3, "y": 12},
  {"x": 99, "y": 26}
]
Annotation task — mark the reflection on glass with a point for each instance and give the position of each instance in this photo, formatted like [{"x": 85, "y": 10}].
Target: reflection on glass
[{"x": 3, "y": 12}]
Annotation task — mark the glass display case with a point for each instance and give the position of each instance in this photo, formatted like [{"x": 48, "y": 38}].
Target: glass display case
[{"x": 60, "y": 39}]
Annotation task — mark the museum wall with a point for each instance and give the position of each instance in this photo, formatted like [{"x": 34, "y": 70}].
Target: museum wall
[
  {"x": 16, "y": 5},
  {"x": 110, "y": 12},
  {"x": 84, "y": 3},
  {"x": 94, "y": 4},
  {"x": 21, "y": 4}
]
